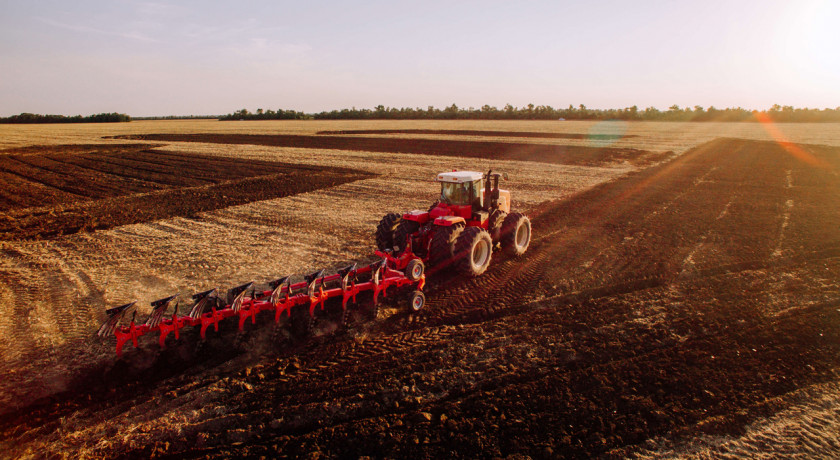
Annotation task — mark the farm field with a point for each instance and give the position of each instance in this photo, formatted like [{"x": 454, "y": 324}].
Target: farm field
[{"x": 680, "y": 296}]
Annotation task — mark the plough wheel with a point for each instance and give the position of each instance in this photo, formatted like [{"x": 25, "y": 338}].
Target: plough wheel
[
  {"x": 414, "y": 270},
  {"x": 417, "y": 301}
]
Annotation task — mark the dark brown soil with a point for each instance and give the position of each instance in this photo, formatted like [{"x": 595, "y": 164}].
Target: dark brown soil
[
  {"x": 61, "y": 189},
  {"x": 470, "y": 132},
  {"x": 557, "y": 154},
  {"x": 675, "y": 301}
]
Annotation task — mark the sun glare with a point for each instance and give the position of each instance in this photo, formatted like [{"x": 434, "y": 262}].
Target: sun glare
[{"x": 811, "y": 37}]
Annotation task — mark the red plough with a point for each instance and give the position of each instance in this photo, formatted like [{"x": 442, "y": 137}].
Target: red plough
[{"x": 281, "y": 298}]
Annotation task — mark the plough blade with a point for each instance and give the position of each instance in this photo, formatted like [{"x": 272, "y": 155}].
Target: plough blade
[
  {"x": 347, "y": 274},
  {"x": 202, "y": 301},
  {"x": 312, "y": 279},
  {"x": 160, "y": 307},
  {"x": 237, "y": 296},
  {"x": 114, "y": 316},
  {"x": 277, "y": 289}
]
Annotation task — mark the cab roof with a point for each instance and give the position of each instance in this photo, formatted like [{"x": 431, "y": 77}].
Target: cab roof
[{"x": 459, "y": 176}]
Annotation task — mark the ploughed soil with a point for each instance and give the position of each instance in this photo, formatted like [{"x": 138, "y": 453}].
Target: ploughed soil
[
  {"x": 688, "y": 298},
  {"x": 61, "y": 189},
  {"x": 544, "y": 153},
  {"x": 472, "y": 132}
]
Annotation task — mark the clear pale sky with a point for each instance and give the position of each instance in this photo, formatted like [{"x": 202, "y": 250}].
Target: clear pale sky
[{"x": 198, "y": 57}]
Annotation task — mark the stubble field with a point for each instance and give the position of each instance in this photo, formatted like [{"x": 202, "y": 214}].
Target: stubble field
[{"x": 680, "y": 296}]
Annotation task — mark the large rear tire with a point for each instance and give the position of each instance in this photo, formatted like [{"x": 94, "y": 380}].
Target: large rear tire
[
  {"x": 473, "y": 251},
  {"x": 442, "y": 247},
  {"x": 404, "y": 228},
  {"x": 516, "y": 234},
  {"x": 385, "y": 231}
]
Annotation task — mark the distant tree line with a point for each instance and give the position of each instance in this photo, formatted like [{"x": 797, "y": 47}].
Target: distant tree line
[
  {"x": 776, "y": 113},
  {"x": 269, "y": 114},
  {"x": 36, "y": 118},
  {"x": 179, "y": 117}
]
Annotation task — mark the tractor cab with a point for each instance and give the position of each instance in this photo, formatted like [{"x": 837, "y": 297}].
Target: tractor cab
[
  {"x": 471, "y": 195},
  {"x": 461, "y": 188},
  {"x": 460, "y": 194}
]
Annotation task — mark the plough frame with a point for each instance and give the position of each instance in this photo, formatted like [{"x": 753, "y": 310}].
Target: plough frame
[{"x": 281, "y": 298}]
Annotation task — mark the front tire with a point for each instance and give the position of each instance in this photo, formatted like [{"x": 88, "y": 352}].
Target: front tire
[
  {"x": 473, "y": 251},
  {"x": 516, "y": 234}
]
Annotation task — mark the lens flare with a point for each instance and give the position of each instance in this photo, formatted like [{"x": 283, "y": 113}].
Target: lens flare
[
  {"x": 795, "y": 150},
  {"x": 606, "y": 133}
]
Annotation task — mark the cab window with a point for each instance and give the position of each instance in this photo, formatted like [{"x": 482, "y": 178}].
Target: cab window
[
  {"x": 455, "y": 194},
  {"x": 476, "y": 193}
]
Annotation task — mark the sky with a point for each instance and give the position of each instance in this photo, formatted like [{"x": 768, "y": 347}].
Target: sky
[{"x": 209, "y": 58}]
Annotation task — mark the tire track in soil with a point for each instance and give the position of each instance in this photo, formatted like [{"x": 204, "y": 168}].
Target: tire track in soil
[{"x": 38, "y": 315}]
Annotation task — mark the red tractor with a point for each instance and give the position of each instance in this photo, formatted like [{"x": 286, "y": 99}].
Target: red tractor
[{"x": 461, "y": 229}]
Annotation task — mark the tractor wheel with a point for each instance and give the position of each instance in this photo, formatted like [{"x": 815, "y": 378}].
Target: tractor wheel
[
  {"x": 516, "y": 234},
  {"x": 442, "y": 248},
  {"x": 473, "y": 251},
  {"x": 494, "y": 225},
  {"x": 385, "y": 231},
  {"x": 404, "y": 229},
  {"x": 417, "y": 301},
  {"x": 414, "y": 269}
]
